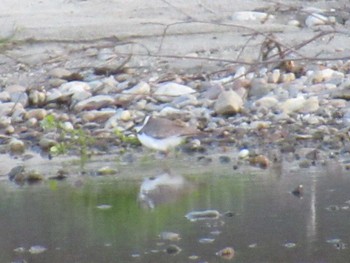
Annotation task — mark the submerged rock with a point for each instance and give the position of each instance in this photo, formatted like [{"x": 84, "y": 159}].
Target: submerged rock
[{"x": 173, "y": 249}]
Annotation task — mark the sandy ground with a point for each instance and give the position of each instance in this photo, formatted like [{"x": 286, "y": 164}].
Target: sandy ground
[{"x": 203, "y": 27}]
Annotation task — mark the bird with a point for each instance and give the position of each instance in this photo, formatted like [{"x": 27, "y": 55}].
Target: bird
[{"x": 162, "y": 134}]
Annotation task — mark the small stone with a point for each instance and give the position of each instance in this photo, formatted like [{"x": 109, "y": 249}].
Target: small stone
[
  {"x": 173, "y": 89},
  {"x": 259, "y": 87},
  {"x": 266, "y": 102},
  {"x": 274, "y": 76},
  {"x": 37, "y": 97},
  {"x": 142, "y": 88},
  {"x": 97, "y": 115},
  {"x": 294, "y": 22},
  {"x": 46, "y": 143},
  {"x": 34, "y": 176},
  {"x": 315, "y": 20},
  {"x": 94, "y": 103},
  {"x": 287, "y": 77},
  {"x": 228, "y": 102},
  {"x": 292, "y": 105},
  {"x": 173, "y": 249},
  {"x": 261, "y": 161},
  {"x": 5, "y": 96},
  {"x": 243, "y": 154},
  {"x": 38, "y": 114},
  {"x": 74, "y": 87},
  {"x": 310, "y": 105},
  {"x": 60, "y": 73},
  {"x": 16, "y": 146}
]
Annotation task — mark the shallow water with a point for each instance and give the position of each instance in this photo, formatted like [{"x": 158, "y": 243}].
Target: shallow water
[{"x": 119, "y": 220}]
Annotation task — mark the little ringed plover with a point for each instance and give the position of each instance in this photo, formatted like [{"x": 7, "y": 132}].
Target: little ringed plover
[{"x": 162, "y": 134}]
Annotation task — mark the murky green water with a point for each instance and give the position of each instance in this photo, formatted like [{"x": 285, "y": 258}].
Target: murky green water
[{"x": 112, "y": 220}]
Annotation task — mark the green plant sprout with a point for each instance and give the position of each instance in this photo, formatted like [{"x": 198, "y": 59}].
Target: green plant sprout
[{"x": 68, "y": 138}]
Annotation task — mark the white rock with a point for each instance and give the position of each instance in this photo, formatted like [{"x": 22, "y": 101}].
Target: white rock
[
  {"x": 240, "y": 73},
  {"x": 274, "y": 76},
  {"x": 60, "y": 73},
  {"x": 292, "y": 105},
  {"x": 294, "y": 22},
  {"x": 228, "y": 102},
  {"x": 73, "y": 87},
  {"x": 326, "y": 74},
  {"x": 94, "y": 103},
  {"x": 53, "y": 95},
  {"x": 141, "y": 88},
  {"x": 251, "y": 16},
  {"x": 173, "y": 89},
  {"x": 310, "y": 105},
  {"x": 4, "y": 96},
  {"x": 316, "y": 19},
  {"x": 166, "y": 111},
  {"x": 244, "y": 153},
  {"x": 117, "y": 119}
]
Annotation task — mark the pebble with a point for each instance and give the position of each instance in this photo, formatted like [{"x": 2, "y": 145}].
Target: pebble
[
  {"x": 293, "y": 105},
  {"x": 173, "y": 89},
  {"x": 316, "y": 19},
  {"x": 142, "y": 88},
  {"x": 94, "y": 103},
  {"x": 228, "y": 102},
  {"x": 38, "y": 114},
  {"x": 16, "y": 146}
]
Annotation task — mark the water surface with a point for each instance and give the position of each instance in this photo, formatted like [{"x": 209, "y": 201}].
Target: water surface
[{"x": 117, "y": 220}]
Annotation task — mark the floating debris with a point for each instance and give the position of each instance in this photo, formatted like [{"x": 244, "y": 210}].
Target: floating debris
[
  {"x": 253, "y": 245},
  {"x": 226, "y": 253},
  {"x": 202, "y": 215},
  {"x": 37, "y": 249},
  {"x": 173, "y": 249},
  {"x": 169, "y": 236}
]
